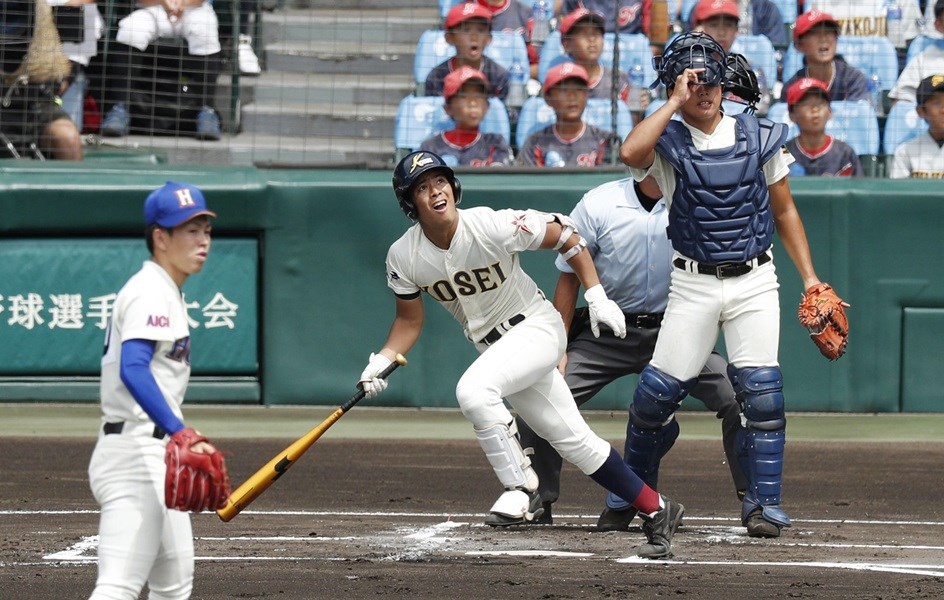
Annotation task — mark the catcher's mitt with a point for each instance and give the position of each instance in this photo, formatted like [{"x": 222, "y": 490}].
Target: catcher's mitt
[
  {"x": 823, "y": 313},
  {"x": 194, "y": 482}
]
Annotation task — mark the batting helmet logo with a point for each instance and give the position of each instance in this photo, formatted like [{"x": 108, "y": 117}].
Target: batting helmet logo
[{"x": 408, "y": 171}]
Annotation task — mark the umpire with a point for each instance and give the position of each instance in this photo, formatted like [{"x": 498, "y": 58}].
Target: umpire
[{"x": 624, "y": 223}]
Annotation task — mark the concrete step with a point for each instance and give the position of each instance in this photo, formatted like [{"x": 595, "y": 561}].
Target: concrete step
[
  {"x": 329, "y": 27},
  {"x": 327, "y": 88},
  {"x": 312, "y": 119},
  {"x": 361, "y": 4},
  {"x": 274, "y": 151},
  {"x": 366, "y": 57}
]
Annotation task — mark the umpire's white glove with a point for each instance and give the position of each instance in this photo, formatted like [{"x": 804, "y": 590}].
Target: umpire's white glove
[
  {"x": 603, "y": 310},
  {"x": 369, "y": 381}
]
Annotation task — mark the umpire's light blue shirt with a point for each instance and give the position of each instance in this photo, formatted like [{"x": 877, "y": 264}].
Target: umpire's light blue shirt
[{"x": 629, "y": 245}]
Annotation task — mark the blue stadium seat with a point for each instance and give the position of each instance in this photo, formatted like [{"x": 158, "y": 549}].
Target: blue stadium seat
[
  {"x": 853, "y": 122},
  {"x": 901, "y": 124},
  {"x": 788, "y": 10},
  {"x": 760, "y": 52},
  {"x": 445, "y": 5},
  {"x": 535, "y": 115},
  {"x": 634, "y": 47},
  {"x": 507, "y": 48},
  {"x": 920, "y": 43},
  {"x": 870, "y": 54},
  {"x": 419, "y": 117}
]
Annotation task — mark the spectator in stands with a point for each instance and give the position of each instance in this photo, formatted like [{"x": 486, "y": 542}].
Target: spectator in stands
[
  {"x": 766, "y": 20},
  {"x": 468, "y": 29},
  {"x": 925, "y": 63},
  {"x": 514, "y": 16},
  {"x": 193, "y": 20},
  {"x": 923, "y": 156},
  {"x": 867, "y": 17},
  {"x": 570, "y": 142},
  {"x": 33, "y": 66},
  {"x": 632, "y": 15},
  {"x": 815, "y": 36},
  {"x": 582, "y": 39},
  {"x": 81, "y": 50},
  {"x": 466, "y": 94},
  {"x": 815, "y": 151},
  {"x": 720, "y": 20}
]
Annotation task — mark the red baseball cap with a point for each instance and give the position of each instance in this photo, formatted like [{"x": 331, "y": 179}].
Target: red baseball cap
[
  {"x": 456, "y": 79},
  {"x": 567, "y": 70},
  {"x": 801, "y": 87},
  {"x": 705, "y": 9},
  {"x": 568, "y": 22},
  {"x": 811, "y": 19},
  {"x": 465, "y": 11}
]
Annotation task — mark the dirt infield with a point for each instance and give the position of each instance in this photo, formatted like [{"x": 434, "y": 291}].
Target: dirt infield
[{"x": 364, "y": 519}]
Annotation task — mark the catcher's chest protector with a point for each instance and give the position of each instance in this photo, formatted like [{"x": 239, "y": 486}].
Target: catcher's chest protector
[{"x": 720, "y": 211}]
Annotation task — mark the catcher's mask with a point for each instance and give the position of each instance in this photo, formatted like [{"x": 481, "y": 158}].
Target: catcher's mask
[
  {"x": 740, "y": 80},
  {"x": 691, "y": 51},
  {"x": 408, "y": 171}
]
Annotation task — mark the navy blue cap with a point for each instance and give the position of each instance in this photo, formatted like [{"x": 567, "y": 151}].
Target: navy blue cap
[{"x": 174, "y": 203}]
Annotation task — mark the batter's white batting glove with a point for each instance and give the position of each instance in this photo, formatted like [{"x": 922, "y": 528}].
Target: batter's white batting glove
[
  {"x": 369, "y": 381},
  {"x": 603, "y": 310}
]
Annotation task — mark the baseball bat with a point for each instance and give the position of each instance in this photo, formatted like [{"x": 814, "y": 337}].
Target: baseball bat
[{"x": 260, "y": 481}]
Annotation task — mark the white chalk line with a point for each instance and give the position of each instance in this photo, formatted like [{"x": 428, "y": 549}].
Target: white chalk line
[
  {"x": 432, "y": 538},
  {"x": 477, "y": 515}
]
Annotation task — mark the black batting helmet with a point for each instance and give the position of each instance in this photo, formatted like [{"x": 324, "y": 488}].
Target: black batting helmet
[
  {"x": 410, "y": 168},
  {"x": 740, "y": 80},
  {"x": 694, "y": 50}
]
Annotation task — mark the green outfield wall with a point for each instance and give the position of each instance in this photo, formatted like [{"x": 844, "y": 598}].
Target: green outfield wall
[{"x": 294, "y": 295}]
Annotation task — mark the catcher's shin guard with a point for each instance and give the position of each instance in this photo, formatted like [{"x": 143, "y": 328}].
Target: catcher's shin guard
[
  {"x": 652, "y": 429},
  {"x": 761, "y": 443}
]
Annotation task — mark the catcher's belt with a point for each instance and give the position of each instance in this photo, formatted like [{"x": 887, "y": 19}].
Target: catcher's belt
[
  {"x": 723, "y": 270},
  {"x": 119, "y": 427}
]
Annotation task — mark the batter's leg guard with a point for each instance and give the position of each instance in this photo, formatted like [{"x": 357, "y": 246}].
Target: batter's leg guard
[
  {"x": 760, "y": 446},
  {"x": 520, "y": 503},
  {"x": 652, "y": 429}
]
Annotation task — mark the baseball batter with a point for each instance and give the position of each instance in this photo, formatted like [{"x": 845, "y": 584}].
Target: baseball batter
[
  {"x": 624, "y": 223},
  {"x": 467, "y": 260},
  {"x": 145, "y": 370},
  {"x": 724, "y": 179}
]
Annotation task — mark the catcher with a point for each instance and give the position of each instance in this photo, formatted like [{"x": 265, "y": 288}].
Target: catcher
[
  {"x": 144, "y": 450},
  {"x": 725, "y": 181}
]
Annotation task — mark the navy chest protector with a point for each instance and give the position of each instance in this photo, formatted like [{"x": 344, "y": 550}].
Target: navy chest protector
[{"x": 721, "y": 208}]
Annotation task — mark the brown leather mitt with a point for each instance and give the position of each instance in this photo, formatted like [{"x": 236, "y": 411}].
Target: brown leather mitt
[
  {"x": 823, "y": 313},
  {"x": 195, "y": 481}
]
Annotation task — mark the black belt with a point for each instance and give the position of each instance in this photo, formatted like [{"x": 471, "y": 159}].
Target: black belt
[
  {"x": 723, "y": 270},
  {"x": 643, "y": 320},
  {"x": 157, "y": 434},
  {"x": 495, "y": 334}
]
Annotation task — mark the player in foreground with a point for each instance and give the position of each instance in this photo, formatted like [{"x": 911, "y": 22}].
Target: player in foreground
[
  {"x": 147, "y": 466},
  {"x": 467, "y": 261},
  {"x": 724, "y": 179}
]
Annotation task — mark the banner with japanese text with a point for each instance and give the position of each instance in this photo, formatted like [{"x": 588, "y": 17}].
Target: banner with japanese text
[{"x": 56, "y": 297}]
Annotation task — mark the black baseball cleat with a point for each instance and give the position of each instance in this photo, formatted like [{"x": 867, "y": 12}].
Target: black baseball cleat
[
  {"x": 612, "y": 519},
  {"x": 660, "y": 529},
  {"x": 534, "y": 512},
  {"x": 759, "y": 527}
]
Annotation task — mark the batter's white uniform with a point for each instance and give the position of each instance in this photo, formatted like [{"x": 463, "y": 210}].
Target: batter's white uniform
[
  {"x": 479, "y": 280},
  {"x": 140, "y": 539},
  {"x": 747, "y": 306}
]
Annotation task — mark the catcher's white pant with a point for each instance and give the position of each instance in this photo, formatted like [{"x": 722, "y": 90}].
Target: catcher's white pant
[
  {"x": 747, "y": 308},
  {"x": 198, "y": 25},
  {"x": 141, "y": 540},
  {"x": 521, "y": 367}
]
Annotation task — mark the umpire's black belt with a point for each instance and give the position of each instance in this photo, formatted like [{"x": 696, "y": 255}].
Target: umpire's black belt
[
  {"x": 108, "y": 428},
  {"x": 723, "y": 270},
  {"x": 643, "y": 320},
  {"x": 495, "y": 334}
]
